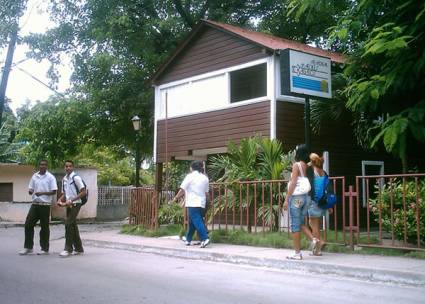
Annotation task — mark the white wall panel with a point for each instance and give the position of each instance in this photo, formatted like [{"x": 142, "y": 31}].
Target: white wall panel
[{"x": 195, "y": 96}]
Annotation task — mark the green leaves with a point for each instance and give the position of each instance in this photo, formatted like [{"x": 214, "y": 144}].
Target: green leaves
[
  {"x": 53, "y": 130},
  {"x": 255, "y": 158},
  {"x": 386, "y": 39}
]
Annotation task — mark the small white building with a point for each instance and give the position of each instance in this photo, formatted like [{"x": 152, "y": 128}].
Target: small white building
[{"x": 15, "y": 200}]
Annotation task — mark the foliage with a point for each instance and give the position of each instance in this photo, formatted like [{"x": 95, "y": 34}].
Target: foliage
[
  {"x": 170, "y": 214},
  {"x": 53, "y": 130},
  {"x": 393, "y": 191},
  {"x": 177, "y": 170},
  {"x": 255, "y": 159},
  {"x": 386, "y": 71},
  {"x": 10, "y": 12},
  {"x": 9, "y": 149},
  {"x": 114, "y": 168},
  {"x": 293, "y": 20}
]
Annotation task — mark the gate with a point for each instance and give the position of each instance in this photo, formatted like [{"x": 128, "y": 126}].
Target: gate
[{"x": 143, "y": 207}]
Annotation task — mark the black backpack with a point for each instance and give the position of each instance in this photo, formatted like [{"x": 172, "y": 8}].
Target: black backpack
[{"x": 84, "y": 198}]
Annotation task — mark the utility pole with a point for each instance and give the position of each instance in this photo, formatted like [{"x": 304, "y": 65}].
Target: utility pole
[{"x": 6, "y": 70}]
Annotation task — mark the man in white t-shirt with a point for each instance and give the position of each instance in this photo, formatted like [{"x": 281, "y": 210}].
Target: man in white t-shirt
[
  {"x": 42, "y": 188},
  {"x": 71, "y": 199},
  {"x": 195, "y": 189}
]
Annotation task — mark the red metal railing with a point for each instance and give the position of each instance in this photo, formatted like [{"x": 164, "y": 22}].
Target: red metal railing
[
  {"x": 380, "y": 211},
  {"x": 257, "y": 206},
  {"x": 393, "y": 211}
]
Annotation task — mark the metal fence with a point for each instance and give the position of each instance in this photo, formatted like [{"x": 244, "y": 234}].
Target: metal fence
[
  {"x": 257, "y": 206},
  {"x": 113, "y": 195},
  {"x": 113, "y": 203},
  {"x": 380, "y": 211},
  {"x": 393, "y": 211}
]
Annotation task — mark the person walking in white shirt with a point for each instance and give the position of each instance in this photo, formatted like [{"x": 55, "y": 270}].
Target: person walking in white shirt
[
  {"x": 42, "y": 188},
  {"x": 195, "y": 189}
]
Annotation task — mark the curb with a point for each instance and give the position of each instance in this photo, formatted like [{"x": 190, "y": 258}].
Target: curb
[
  {"x": 22, "y": 224},
  {"x": 360, "y": 273}
]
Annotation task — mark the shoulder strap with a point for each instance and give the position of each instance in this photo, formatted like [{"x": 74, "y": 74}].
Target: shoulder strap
[
  {"x": 75, "y": 185},
  {"x": 300, "y": 168}
]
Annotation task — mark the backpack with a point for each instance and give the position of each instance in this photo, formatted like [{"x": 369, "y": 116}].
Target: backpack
[
  {"x": 84, "y": 198},
  {"x": 328, "y": 199}
]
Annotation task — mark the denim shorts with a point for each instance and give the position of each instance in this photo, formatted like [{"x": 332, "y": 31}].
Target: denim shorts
[
  {"x": 298, "y": 205},
  {"x": 314, "y": 210}
]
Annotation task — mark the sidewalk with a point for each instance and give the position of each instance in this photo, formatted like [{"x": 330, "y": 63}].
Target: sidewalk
[{"x": 396, "y": 270}]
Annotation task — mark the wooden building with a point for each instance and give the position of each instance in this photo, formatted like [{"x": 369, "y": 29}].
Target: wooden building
[{"x": 224, "y": 83}]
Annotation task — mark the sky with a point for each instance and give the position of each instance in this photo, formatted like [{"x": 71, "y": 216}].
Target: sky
[{"x": 21, "y": 87}]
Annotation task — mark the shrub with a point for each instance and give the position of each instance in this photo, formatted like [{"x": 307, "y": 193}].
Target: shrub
[
  {"x": 170, "y": 214},
  {"x": 395, "y": 190}
]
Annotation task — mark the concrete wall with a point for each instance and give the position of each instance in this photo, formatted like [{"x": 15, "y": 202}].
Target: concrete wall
[
  {"x": 112, "y": 212},
  {"x": 20, "y": 175}
]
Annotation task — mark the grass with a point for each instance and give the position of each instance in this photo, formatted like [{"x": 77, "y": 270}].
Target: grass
[
  {"x": 161, "y": 231},
  {"x": 273, "y": 240}
]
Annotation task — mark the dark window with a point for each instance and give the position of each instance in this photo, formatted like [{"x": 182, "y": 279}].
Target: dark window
[
  {"x": 6, "y": 192},
  {"x": 248, "y": 83}
]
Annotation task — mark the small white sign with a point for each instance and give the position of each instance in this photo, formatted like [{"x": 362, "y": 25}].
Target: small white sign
[{"x": 309, "y": 74}]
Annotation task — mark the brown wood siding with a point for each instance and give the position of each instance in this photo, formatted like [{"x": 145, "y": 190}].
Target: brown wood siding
[
  {"x": 345, "y": 155},
  {"x": 211, "y": 50},
  {"x": 212, "y": 129}
]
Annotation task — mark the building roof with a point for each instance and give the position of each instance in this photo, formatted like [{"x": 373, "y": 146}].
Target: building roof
[
  {"x": 275, "y": 43},
  {"x": 267, "y": 41}
]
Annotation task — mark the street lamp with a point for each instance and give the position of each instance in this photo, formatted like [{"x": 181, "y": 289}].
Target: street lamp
[{"x": 136, "y": 126}]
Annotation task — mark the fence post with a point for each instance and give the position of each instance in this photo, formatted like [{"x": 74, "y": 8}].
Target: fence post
[{"x": 351, "y": 227}]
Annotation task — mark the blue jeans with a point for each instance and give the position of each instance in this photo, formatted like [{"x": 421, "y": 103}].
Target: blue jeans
[
  {"x": 298, "y": 205},
  {"x": 315, "y": 211},
  {"x": 196, "y": 222}
]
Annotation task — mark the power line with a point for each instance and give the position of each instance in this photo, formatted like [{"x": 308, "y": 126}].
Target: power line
[{"x": 40, "y": 81}]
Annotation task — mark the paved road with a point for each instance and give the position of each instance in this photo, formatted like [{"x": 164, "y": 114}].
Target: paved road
[{"x": 113, "y": 276}]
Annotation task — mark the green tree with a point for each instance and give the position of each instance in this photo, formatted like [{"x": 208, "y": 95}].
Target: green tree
[
  {"x": 10, "y": 12},
  {"x": 53, "y": 130},
  {"x": 114, "y": 167},
  {"x": 291, "y": 19},
  {"x": 9, "y": 147},
  {"x": 385, "y": 71}
]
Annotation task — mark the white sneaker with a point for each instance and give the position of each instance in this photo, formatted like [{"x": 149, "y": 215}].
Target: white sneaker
[
  {"x": 185, "y": 241},
  {"x": 64, "y": 254},
  {"x": 43, "y": 252},
  {"x": 205, "y": 243},
  {"x": 25, "y": 251},
  {"x": 295, "y": 256},
  {"x": 77, "y": 252}
]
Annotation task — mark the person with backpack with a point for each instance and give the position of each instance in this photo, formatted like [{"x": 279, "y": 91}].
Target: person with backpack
[
  {"x": 74, "y": 195},
  {"x": 319, "y": 181}
]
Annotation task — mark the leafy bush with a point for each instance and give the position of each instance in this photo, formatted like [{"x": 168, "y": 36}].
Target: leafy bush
[
  {"x": 395, "y": 190},
  {"x": 170, "y": 214},
  {"x": 254, "y": 159}
]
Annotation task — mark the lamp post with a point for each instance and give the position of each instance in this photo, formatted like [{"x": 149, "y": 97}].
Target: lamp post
[{"x": 136, "y": 126}]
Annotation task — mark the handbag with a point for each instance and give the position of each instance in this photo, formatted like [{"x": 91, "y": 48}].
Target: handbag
[{"x": 303, "y": 184}]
